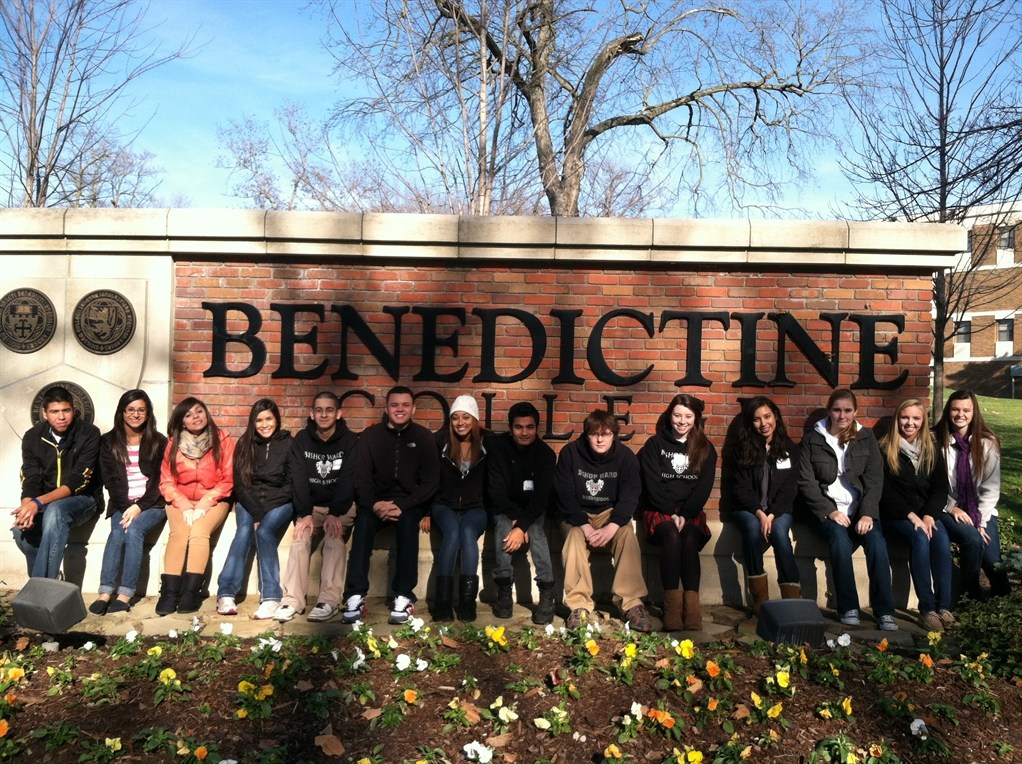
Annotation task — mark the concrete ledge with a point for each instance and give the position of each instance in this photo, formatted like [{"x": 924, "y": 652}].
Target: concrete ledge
[{"x": 723, "y": 577}]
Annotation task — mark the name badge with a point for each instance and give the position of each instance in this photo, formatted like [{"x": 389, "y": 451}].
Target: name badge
[
  {"x": 784, "y": 464},
  {"x": 527, "y": 485}
]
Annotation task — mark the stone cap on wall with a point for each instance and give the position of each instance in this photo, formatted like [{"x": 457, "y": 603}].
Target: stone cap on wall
[{"x": 797, "y": 245}]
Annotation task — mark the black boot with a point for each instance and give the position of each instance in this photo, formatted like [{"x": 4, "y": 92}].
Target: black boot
[
  {"x": 191, "y": 592},
  {"x": 443, "y": 599},
  {"x": 544, "y": 612},
  {"x": 1000, "y": 586},
  {"x": 469, "y": 592},
  {"x": 504, "y": 606},
  {"x": 170, "y": 590}
]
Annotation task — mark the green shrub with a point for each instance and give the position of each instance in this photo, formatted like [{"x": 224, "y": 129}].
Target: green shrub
[{"x": 994, "y": 628}]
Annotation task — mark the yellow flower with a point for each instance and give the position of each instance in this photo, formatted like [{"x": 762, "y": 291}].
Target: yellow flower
[
  {"x": 774, "y": 711},
  {"x": 50, "y": 671},
  {"x": 592, "y": 647},
  {"x": 15, "y": 673},
  {"x": 757, "y": 701},
  {"x": 155, "y": 651},
  {"x": 113, "y": 743},
  {"x": 612, "y": 752},
  {"x": 846, "y": 706},
  {"x": 241, "y": 713},
  {"x": 694, "y": 756},
  {"x": 834, "y": 670},
  {"x": 245, "y": 687},
  {"x": 803, "y": 657},
  {"x": 168, "y": 675},
  {"x": 712, "y": 669},
  {"x": 410, "y": 696},
  {"x": 201, "y": 752},
  {"x": 933, "y": 637},
  {"x": 686, "y": 649},
  {"x": 851, "y": 758},
  {"x": 876, "y": 750},
  {"x": 496, "y": 635},
  {"x": 365, "y": 760},
  {"x": 825, "y": 713},
  {"x": 783, "y": 679},
  {"x": 631, "y": 650},
  {"x": 264, "y": 692}
]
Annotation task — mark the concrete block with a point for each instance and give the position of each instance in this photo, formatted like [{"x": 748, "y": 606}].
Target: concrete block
[{"x": 331, "y": 227}]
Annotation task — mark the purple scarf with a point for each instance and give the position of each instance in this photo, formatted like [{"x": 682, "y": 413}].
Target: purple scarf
[{"x": 968, "y": 499}]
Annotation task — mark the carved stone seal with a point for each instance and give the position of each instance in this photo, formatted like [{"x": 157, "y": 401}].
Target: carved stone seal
[
  {"x": 103, "y": 321},
  {"x": 27, "y": 320}
]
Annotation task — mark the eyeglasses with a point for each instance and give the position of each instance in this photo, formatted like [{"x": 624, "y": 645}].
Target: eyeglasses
[{"x": 142, "y": 410}]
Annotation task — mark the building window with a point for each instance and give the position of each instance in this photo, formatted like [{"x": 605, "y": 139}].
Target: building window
[
  {"x": 1006, "y": 240},
  {"x": 963, "y": 332},
  {"x": 1006, "y": 330}
]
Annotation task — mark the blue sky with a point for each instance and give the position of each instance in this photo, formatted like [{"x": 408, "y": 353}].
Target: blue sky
[{"x": 248, "y": 58}]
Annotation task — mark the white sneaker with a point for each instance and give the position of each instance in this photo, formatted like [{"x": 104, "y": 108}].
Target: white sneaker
[
  {"x": 354, "y": 609},
  {"x": 322, "y": 612},
  {"x": 402, "y": 610},
  {"x": 285, "y": 613},
  {"x": 266, "y": 610},
  {"x": 850, "y": 618},
  {"x": 887, "y": 623},
  {"x": 226, "y": 606}
]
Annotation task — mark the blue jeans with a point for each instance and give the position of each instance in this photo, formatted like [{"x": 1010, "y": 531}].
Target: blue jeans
[
  {"x": 266, "y": 552},
  {"x": 129, "y": 544},
  {"x": 929, "y": 561},
  {"x": 973, "y": 553},
  {"x": 459, "y": 532},
  {"x": 44, "y": 543},
  {"x": 780, "y": 540},
  {"x": 842, "y": 542},
  {"x": 538, "y": 547}
]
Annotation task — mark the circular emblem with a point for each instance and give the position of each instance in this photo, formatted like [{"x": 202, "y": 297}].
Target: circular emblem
[
  {"x": 27, "y": 320},
  {"x": 103, "y": 322},
  {"x": 84, "y": 408}
]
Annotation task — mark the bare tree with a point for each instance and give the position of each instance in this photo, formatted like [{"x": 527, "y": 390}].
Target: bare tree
[
  {"x": 65, "y": 68},
  {"x": 941, "y": 136}
]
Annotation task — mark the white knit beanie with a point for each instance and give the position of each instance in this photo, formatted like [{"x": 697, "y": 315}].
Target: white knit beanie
[{"x": 467, "y": 404}]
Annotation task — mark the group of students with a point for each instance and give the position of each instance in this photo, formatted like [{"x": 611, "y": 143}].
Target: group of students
[{"x": 930, "y": 490}]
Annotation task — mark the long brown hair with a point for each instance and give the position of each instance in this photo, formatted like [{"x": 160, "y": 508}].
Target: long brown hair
[
  {"x": 848, "y": 434},
  {"x": 978, "y": 430},
  {"x": 749, "y": 450},
  {"x": 470, "y": 449},
  {"x": 245, "y": 451},
  {"x": 891, "y": 441},
  {"x": 150, "y": 445},
  {"x": 177, "y": 424},
  {"x": 698, "y": 445}
]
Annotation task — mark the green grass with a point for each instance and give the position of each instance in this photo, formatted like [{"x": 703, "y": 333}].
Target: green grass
[{"x": 1004, "y": 417}]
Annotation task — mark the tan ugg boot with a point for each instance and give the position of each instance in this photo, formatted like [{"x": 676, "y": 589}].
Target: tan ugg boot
[
  {"x": 791, "y": 591},
  {"x": 760, "y": 591},
  {"x": 692, "y": 613},
  {"x": 672, "y": 610}
]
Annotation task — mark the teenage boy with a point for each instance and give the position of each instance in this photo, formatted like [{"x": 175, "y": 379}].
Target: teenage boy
[
  {"x": 58, "y": 463},
  {"x": 396, "y": 474},
  {"x": 322, "y": 491},
  {"x": 598, "y": 486},
  {"x": 521, "y": 480}
]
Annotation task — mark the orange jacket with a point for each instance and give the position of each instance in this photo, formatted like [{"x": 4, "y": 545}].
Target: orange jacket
[{"x": 204, "y": 482}]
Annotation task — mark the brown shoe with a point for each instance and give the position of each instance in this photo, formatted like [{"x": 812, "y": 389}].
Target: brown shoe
[
  {"x": 931, "y": 621},
  {"x": 760, "y": 591},
  {"x": 791, "y": 591},
  {"x": 672, "y": 610},
  {"x": 638, "y": 619},
  {"x": 692, "y": 614},
  {"x": 579, "y": 617},
  {"x": 947, "y": 617}
]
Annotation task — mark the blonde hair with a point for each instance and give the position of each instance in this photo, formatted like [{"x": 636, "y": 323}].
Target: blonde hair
[{"x": 890, "y": 443}]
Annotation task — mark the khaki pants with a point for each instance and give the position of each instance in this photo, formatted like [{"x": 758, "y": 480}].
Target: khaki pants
[
  {"x": 332, "y": 571},
  {"x": 628, "y": 588},
  {"x": 188, "y": 545}
]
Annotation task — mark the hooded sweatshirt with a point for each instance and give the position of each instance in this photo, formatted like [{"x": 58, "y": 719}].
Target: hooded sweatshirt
[
  {"x": 668, "y": 485},
  {"x": 587, "y": 483},
  {"x": 323, "y": 471}
]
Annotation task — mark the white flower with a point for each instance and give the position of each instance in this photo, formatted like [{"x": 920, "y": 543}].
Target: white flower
[
  {"x": 226, "y": 628},
  {"x": 421, "y": 664},
  {"x": 90, "y": 645},
  {"x": 131, "y": 636},
  {"x": 359, "y": 662},
  {"x": 559, "y": 712},
  {"x": 918, "y": 728},
  {"x": 675, "y": 643},
  {"x": 402, "y": 662},
  {"x": 831, "y": 644},
  {"x": 416, "y": 624},
  {"x": 507, "y": 714},
  {"x": 392, "y": 644},
  {"x": 335, "y": 654},
  {"x": 172, "y": 634},
  {"x": 626, "y": 720},
  {"x": 196, "y": 623},
  {"x": 476, "y": 751},
  {"x": 541, "y": 723},
  {"x": 636, "y": 709},
  {"x": 549, "y": 629},
  {"x": 844, "y": 640},
  {"x": 578, "y": 736}
]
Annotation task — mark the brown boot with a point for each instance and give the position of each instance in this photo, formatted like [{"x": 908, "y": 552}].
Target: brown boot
[
  {"x": 760, "y": 591},
  {"x": 672, "y": 610},
  {"x": 791, "y": 591},
  {"x": 692, "y": 613}
]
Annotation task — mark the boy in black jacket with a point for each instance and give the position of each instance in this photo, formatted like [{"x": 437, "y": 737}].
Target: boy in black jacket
[
  {"x": 521, "y": 480},
  {"x": 323, "y": 489},
  {"x": 396, "y": 474},
  {"x": 598, "y": 487},
  {"x": 58, "y": 464}
]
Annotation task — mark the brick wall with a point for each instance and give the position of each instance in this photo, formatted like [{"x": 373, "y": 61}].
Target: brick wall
[{"x": 626, "y": 346}]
